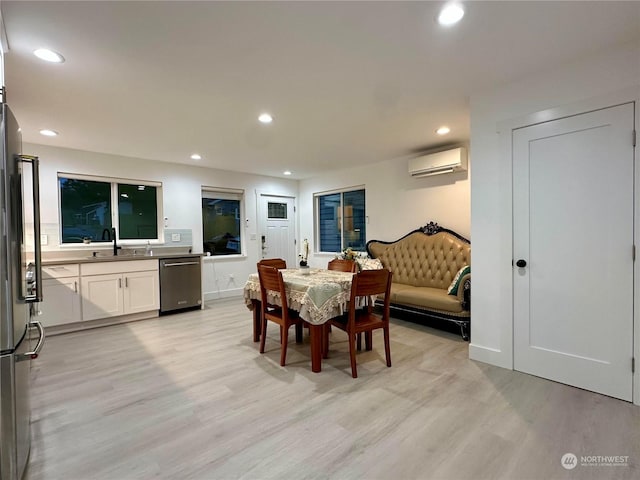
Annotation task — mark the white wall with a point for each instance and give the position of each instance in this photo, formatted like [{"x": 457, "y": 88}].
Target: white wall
[
  {"x": 491, "y": 224},
  {"x": 396, "y": 203},
  {"x": 181, "y": 186}
]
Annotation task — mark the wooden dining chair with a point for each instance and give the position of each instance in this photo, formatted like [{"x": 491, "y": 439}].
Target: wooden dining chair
[
  {"x": 273, "y": 262},
  {"x": 366, "y": 286},
  {"x": 342, "y": 265},
  {"x": 271, "y": 280}
]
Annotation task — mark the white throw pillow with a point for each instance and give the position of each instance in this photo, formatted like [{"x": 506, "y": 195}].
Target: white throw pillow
[{"x": 369, "y": 264}]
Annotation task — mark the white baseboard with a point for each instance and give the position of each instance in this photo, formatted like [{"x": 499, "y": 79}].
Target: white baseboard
[
  {"x": 218, "y": 294},
  {"x": 491, "y": 356},
  {"x": 101, "y": 322}
]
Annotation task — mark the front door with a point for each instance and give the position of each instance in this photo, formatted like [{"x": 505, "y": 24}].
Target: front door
[
  {"x": 278, "y": 238},
  {"x": 573, "y": 194}
]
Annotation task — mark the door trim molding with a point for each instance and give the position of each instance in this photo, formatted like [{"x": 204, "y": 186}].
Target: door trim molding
[{"x": 627, "y": 95}]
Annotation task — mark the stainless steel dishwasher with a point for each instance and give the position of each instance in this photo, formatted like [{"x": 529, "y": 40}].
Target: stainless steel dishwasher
[{"x": 180, "y": 283}]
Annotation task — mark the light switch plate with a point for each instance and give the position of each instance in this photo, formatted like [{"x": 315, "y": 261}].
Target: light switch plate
[{"x": 175, "y": 237}]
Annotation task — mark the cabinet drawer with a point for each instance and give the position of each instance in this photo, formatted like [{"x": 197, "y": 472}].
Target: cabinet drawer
[
  {"x": 102, "y": 268},
  {"x": 60, "y": 271}
]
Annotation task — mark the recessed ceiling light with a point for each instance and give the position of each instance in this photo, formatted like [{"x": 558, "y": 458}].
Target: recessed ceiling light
[
  {"x": 195, "y": 156},
  {"x": 48, "y": 55},
  {"x": 48, "y": 133},
  {"x": 443, "y": 130},
  {"x": 265, "y": 118},
  {"x": 287, "y": 172},
  {"x": 450, "y": 14}
]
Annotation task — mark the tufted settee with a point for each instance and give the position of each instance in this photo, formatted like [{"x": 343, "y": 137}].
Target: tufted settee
[{"x": 425, "y": 263}]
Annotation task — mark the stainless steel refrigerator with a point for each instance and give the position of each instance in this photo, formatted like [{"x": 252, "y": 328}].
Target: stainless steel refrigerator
[{"x": 20, "y": 291}]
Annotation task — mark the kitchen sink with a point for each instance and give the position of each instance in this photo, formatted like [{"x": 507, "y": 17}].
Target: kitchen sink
[{"x": 106, "y": 257}]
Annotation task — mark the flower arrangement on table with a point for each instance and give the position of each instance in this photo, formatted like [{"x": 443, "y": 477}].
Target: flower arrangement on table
[
  {"x": 349, "y": 254},
  {"x": 304, "y": 255},
  {"x": 362, "y": 259}
]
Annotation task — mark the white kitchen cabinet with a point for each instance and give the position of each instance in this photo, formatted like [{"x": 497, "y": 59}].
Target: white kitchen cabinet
[
  {"x": 61, "y": 302},
  {"x": 111, "y": 289},
  {"x": 141, "y": 292},
  {"x": 61, "y": 295},
  {"x": 102, "y": 296}
]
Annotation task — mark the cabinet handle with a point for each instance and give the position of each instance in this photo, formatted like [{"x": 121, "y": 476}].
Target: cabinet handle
[
  {"x": 75, "y": 287},
  {"x": 126, "y": 282},
  {"x": 119, "y": 283}
]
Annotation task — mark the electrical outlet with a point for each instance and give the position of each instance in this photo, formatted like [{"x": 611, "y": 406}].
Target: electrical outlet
[
  {"x": 231, "y": 276},
  {"x": 44, "y": 239},
  {"x": 175, "y": 237}
]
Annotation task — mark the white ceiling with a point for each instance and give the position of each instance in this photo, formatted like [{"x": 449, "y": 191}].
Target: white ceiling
[{"x": 348, "y": 83}]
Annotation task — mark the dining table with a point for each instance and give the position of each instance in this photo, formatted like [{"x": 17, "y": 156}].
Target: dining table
[{"x": 318, "y": 295}]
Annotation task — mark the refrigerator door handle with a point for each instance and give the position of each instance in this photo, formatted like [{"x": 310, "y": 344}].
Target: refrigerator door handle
[
  {"x": 37, "y": 247},
  {"x": 36, "y": 351}
]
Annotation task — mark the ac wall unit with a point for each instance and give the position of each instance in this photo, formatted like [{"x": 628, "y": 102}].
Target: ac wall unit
[{"x": 447, "y": 161}]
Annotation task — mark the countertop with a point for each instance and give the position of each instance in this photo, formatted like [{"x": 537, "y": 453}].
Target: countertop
[{"x": 118, "y": 258}]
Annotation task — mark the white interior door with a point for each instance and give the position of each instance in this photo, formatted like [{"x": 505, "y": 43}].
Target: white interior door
[
  {"x": 573, "y": 193},
  {"x": 278, "y": 233}
]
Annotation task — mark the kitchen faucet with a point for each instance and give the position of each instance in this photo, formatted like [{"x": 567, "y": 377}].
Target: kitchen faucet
[
  {"x": 115, "y": 245},
  {"x": 111, "y": 234}
]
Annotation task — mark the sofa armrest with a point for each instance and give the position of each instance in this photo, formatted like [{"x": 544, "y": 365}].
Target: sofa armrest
[{"x": 464, "y": 292}]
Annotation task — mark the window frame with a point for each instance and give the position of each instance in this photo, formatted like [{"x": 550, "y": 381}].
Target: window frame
[
  {"x": 115, "y": 219},
  {"x": 224, "y": 193},
  {"x": 316, "y": 215}
]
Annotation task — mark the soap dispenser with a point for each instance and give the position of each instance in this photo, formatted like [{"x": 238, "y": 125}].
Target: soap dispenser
[{"x": 148, "y": 251}]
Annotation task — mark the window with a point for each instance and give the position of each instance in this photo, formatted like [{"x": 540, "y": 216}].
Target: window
[
  {"x": 221, "y": 221},
  {"x": 137, "y": 212},
  {"x": 276, "y": 211},
  {"x": 340, "y": 220},
  {"x": 90, "y": 207}
]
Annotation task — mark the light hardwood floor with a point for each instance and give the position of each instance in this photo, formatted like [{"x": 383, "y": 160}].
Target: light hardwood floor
[{"x": 189, "y": 396}]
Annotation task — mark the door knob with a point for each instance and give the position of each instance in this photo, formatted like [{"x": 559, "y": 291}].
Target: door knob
[{"x": 521, "y": 263}]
